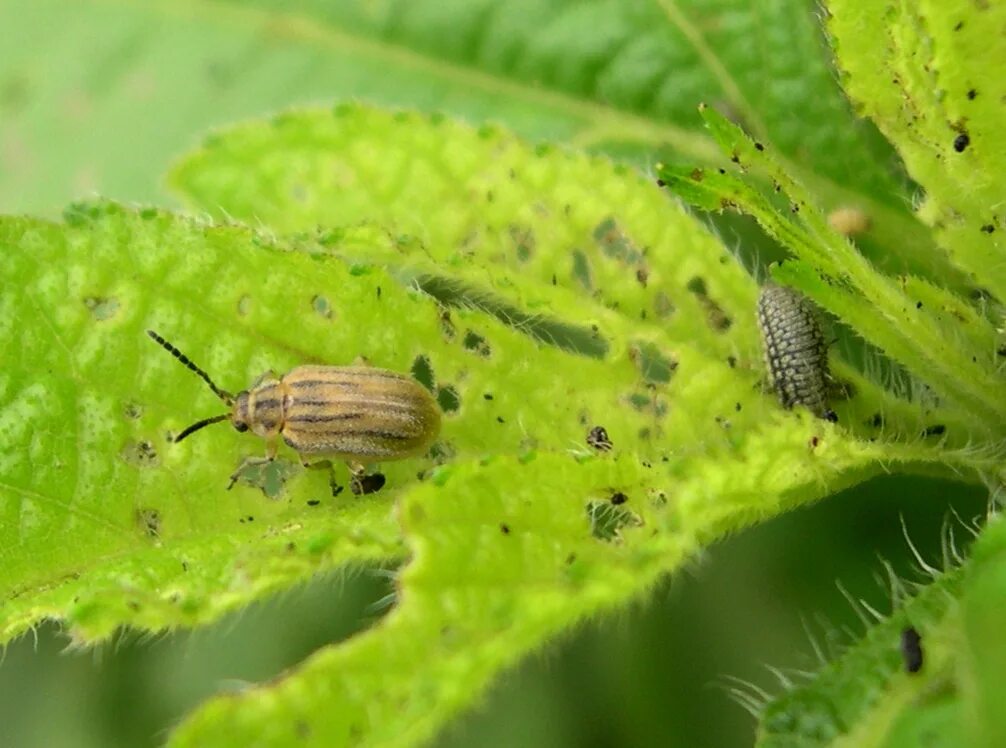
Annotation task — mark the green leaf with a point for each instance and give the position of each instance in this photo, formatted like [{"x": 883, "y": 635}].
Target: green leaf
[
  {"x": 500, "y": 566},
  {"x": 935, "y": 343},
  {"x": 929, "y": 77},
  {"x": 103, "y": 109},
  {"x": 865, "y": 697}
]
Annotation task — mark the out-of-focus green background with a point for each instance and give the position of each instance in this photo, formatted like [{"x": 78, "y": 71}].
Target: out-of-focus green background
[{"x": 98, "y": 97}]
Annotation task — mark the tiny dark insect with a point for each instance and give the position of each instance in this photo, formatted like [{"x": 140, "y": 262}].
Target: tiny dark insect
[
  {"x": 911, "y": 649},
  {"x": 796, "y": 352},
  {"x": 597, "y": 438}
]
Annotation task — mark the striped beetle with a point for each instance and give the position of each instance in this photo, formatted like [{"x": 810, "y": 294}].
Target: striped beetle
[
  {"x": 796, "y": 352},
  {"x": 359, "y": 414}
]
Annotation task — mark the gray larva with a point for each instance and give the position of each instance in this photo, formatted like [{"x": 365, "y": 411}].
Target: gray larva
[{"x": 796, "y": 352}]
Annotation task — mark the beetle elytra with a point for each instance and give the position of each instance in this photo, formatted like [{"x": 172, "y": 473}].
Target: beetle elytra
[{"x": 359, "y": 414}]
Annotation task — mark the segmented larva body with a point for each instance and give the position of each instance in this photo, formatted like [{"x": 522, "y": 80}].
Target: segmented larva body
[{"x": 796, "y": 352}]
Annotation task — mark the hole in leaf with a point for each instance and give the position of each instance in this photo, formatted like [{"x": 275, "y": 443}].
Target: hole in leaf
[
  {"x": 268, "y": 477},
  {"x": 322, "y": 307},
  {"x": 652, "y": 364},
  {"x": 449, "y": 399},
  {"x": 149, "y": 521},
  {"x": 422, "y": 372},
  {"x": 581, "y": 269},
  {"x": 608, "y": 518},
  {"x": 583, "y": 340},
  {"x": 476, "y": 343},
  {"x": 140, "y": 454},
  {"x": 101, "y": 308},
  {"x": 367, "y": 484}
]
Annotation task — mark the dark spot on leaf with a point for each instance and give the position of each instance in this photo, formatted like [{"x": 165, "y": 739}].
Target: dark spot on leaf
[
  {"x": 759, "y": 147},
  {"x": 935, "y": 430},
  {"x": 581, "y": 269},
  {"x": 132, "y": 411},
  {"x": 972, "y": 93},
  {"x": 504, "y": 528},
  {"x": 313, "y": 502},
  {"x": 476, "y": 343},
  {"x": 487, "y": 396},
  {"x": 614, "y": 243},
  {"x": 638, "y": 400},
  {"x": 697, "y": 286},
  {"x": 618, "y": 498},
  {"x": 140, "y": 454},
  {"x": 988, "y": 228},
  {"x": 961, "y": 142},
  {"x": 149, "y": 520},
  {"x": 662, "y": 305},
  {"x": 447, "y": 324}
]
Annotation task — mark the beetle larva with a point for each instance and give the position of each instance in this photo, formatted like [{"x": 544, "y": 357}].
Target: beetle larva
[
  {"x": 796, "y": 353},
  {"x": 359, "y": 414}
]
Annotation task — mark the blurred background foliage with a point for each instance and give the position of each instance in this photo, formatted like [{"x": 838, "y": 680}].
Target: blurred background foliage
[{"x": 98, "y": 97}]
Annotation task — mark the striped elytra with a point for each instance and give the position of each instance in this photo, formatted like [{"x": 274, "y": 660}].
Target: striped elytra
[
  {"x": 354, "y": 413},
  {"x": 360, "y": 414},
  {"x": 796, "y": 352}
]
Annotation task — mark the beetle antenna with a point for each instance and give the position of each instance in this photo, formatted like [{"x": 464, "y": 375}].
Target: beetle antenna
[
  {"x": 201, "y": 424},
  {"x": 222, "y": 394}
]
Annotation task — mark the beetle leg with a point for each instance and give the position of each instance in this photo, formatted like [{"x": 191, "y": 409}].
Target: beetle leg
[
  {"x": 323, "y": 465},
  {"x": 246, "y": 463},
  {"x": 356, "y": 475}
]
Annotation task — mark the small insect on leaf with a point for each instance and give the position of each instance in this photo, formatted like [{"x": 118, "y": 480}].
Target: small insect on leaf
[
  {"x": 359, "y": 414},
  {"x": 598, "y": 438},
  {"x": 911, "y": 649},
  {"x": 796, "y": 353}
]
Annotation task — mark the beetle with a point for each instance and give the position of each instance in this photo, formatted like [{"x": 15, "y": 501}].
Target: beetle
[
  {"x": 358, "y": 414},
  {"x": 796, "y": 352}
]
